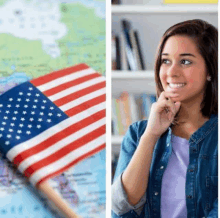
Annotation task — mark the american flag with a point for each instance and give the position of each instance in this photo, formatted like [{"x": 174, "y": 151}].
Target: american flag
[{"x": 51, "y": 123}]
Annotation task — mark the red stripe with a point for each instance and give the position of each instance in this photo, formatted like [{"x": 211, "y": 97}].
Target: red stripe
[
  {"x": 57, "y": 74},
  {"x": 52, "y": 175},
  {"x": 79, "y": 94},
  {"x": 85, "y": 105},
  {"x": 58, "y": 136},
  {"x": 64, "y": 151},
  {"x": 72, "y": 83}
]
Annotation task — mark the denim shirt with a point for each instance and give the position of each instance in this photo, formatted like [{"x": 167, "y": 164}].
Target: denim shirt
[{"x": 201, "y": 187}]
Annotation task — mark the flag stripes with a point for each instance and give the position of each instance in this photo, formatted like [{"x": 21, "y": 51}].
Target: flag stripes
[
  {"x": 64, "y": 151},
  {"x": 58, "y": 74},
  {"x": 76, "y": 160},
  {"x": 80, "y": 93}
]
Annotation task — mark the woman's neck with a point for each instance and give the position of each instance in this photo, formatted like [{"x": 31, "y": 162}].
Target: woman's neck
[{"x": 190, "y": 119}]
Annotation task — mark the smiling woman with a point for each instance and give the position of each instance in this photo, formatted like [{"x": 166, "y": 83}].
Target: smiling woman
[{"x": 168, "y": 164}]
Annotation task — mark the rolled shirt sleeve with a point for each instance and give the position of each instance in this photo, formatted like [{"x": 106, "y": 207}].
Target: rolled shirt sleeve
[{"x": 120, "y": 204}]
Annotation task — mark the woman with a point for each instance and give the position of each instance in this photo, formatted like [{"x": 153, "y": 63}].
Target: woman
[{"x": 168, "y": 165}]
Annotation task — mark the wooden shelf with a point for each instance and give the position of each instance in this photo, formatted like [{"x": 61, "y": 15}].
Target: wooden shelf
[
  {"x": 133, "y": 82},
  {"x": 178, "y": 8},
  {"x": 116, "y": 144},
  {"x": 117, "y": 140},
  {"x": 132, "y": 74}
]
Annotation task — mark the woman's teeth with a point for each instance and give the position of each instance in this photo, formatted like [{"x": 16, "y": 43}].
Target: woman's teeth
[{"x": 176, "y": 85}]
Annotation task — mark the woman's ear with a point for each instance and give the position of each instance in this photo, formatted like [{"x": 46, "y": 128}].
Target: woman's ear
[{"x": 209, "y": 78}]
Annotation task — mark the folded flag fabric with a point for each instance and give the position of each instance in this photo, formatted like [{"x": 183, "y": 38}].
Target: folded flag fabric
[{"x": 52, "y": 122}]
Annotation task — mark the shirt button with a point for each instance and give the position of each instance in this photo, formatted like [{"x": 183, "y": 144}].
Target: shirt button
[
  {"x": 156, "y": 193},
  {"x": 189, "y": 196},
  {"x": 161, "y": 167}
]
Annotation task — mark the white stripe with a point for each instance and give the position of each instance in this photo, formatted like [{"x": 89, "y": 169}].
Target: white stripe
[
  {"x": 59, "y": 145},
  {"x": 64, "y": 79},
  {"x": 82, "y": 99},
  {"x": 76, "y": 88},
  {"x": 43, "y": 172},
  {"x": 12, "y": 153}
]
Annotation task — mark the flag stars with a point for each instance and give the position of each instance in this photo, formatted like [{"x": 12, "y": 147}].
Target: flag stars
[
  {"x": 27, "y": 99},
  {"x": 8, "y": 136},
  {"x": 51, "y": 108},
  {"x": 1, "y": 105},
  {"x": 43, "y": 107},
  {"x": 10, "y": 99},
  {"x": 2, "y": 128},
  {"x": 59, "y": 115},
  {"x": 40, "y": 119},
  {"x": 7, "y": 142},
  {"x": 44, "y": 101},
  {"x": 5, "y": 118},
  {"x": 22, "y": 119},
  {"x": 38, "y": 126},
  {"x": 17, "y": 106},
  {"x": 31, "y": 119},
  {"x": 26, "y": 106},
  {"x": 10, "y": 130},
  {"x": 32, "y": 112},
  {"x": 28, "y": 132},
  {"x": 19, "y": 131},
  {"x": 14, "y": 118},
  {"x": 37, "y": 95},
  {"x": 29, "y": 126},
  {"x": 35, "y": 100},
  {"x": 19, "y": 99},
  {"x": 24, "y": 112},
  {"x": 1, "y": 135},
  {"x": 7, "y": 112},
  {"x": 3, "y": 123},
  {"x": 29, "y": 94},
  {"x": 21, "y": 125},
  {"x": 12, "y": 124},
  {"x": 17, "y": 137},
  {"x": 41, "y": 113},
  {"x": 50, "y": 114},
  {"x": 49, "y": 120},
  {"x": 30, "y": 88},
  {"x": 34, "y": 106},
  {"x": 15, "y": 112},
  {"x": 20, "y": 93},
  {"x": 9, "y": 105}
]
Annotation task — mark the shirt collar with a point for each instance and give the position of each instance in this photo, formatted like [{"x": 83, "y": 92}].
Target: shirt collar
[{"x": 202, "y": 132}]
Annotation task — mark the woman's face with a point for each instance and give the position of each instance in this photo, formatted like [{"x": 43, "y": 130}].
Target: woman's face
[{"x": 183, "y": 69}]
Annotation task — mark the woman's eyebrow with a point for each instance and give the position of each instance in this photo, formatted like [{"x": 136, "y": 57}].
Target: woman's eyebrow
[{"x": 183, "y": 54}]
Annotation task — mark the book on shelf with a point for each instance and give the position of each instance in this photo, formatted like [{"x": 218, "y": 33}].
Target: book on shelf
[
  {"x": 126, "y": 49},
  {"x": 124, "y": 62},
  {"x": 116, "y": 2},
  {"x": 113, "y": 45},
  {"x": 129, "y": 108},
  {"x": 118, "y": 52},
  {"x": 126, "y": 26},
  {"x": 190, "y": 1}
]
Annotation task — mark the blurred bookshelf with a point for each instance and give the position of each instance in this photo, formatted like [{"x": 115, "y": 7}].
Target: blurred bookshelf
[{"x": 144, "y": 22}]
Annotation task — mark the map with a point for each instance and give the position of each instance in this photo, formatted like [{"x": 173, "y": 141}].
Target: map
[{"x": 38, "y": 37}]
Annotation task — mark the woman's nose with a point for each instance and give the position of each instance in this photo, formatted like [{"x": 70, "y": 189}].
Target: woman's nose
[{"x": 173, "y": 70}]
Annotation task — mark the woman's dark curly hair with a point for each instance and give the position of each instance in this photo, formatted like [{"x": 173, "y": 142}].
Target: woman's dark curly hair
[{"x": 205, "y": 37}]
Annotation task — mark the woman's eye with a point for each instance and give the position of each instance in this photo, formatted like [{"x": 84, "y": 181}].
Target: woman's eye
[
  {"x": 165, "y": 61},
  {"x": 185, "y": 62}
]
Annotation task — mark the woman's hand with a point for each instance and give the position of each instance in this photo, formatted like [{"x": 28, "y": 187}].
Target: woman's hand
[{"x": 162, "y": 114}]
